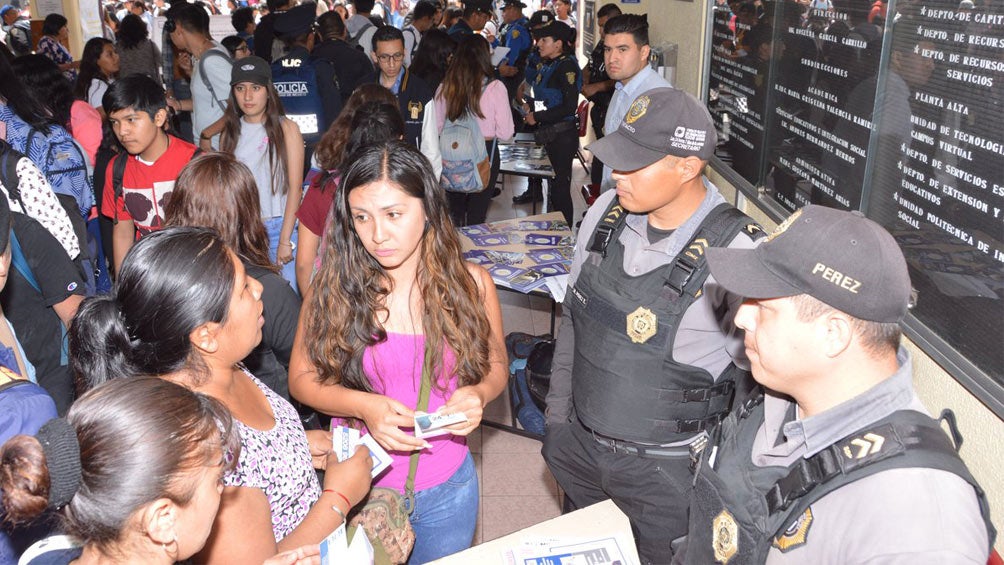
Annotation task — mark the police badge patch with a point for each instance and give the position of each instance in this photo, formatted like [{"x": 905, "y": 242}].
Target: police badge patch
[
  {"x": 515, "y": 33},
  {"x": 637, "y": 109},
  {"x": 724, "y": 537},
  {"x": 641, "y": 325},
  {"x": 570, "y": 77},
  {"x": 796, "y": 534}
]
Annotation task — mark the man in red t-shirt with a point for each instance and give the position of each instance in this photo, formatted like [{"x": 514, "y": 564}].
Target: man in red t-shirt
[{"x": 137, "y": 110}]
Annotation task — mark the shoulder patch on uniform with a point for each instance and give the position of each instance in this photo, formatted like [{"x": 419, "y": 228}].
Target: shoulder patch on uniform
[
  {"x": 797, "y": 533},
  {"x": 570, "y": 77},
  {"x": 515, "y": 33}
]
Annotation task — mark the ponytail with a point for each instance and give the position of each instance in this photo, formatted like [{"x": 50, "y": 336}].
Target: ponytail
[{"x": 99, "y": 343}]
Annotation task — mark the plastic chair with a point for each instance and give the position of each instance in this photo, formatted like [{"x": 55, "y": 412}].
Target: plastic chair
[{"x": 582, "y": 115}]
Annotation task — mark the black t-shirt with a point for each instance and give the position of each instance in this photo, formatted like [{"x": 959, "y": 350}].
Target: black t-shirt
[
  {"x": 38, "y": 327},
  {"x": 351, "y": 65},
  {"x": 270, "y": 360}
]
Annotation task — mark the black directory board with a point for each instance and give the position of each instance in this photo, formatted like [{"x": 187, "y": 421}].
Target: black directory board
[{"x": 896, "y": 109}]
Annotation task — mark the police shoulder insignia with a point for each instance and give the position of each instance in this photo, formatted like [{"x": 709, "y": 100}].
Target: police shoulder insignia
[
  {"x": 637, "y": 109},
  {"x": 515, "y": 33},
  {"x": 570, "y": 77},
  {"x": 641, "y": 325},
  {"x": 724, "y": 537},
  {"x": 796, "y": 534}
]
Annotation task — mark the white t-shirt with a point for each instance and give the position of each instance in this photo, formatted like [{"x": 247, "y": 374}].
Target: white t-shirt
[
  {"x": 95, "y": 92},
  {"x": 206, "y": 108}
]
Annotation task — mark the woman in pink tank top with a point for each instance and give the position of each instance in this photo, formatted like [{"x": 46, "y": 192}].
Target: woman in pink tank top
[{"x": 401, "y": 290}]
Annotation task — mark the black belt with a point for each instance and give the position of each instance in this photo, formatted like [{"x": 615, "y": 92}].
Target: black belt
[
  {"x": 639, "y": 449},
  {"x": 558, "y": 127}
]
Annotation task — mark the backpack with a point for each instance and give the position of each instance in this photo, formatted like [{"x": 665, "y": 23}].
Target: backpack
[
  {"x": 19, "y": 37},
  {"x": 354, "y": 40},
  {"x": 65, "y": 165},
  {"x": 295, "y": 80},
  {"x": 222, "y": 102},
  {"x": 414, "y": 45},
  {"x": 466, "y": 163},
  {"x": 529, "y": 378}
]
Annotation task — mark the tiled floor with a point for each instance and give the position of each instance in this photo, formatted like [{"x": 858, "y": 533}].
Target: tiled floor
[{"x": 517, "y": 490}]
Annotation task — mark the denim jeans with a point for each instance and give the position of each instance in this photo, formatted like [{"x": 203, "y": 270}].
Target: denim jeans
[
  {"x": 274, "y": 226},
  {"x": 445, "y": 516}
]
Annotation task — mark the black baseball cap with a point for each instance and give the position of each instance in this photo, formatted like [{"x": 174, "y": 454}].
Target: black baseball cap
[
  {"x": 513, "y": 3},
  {"x": 556, "y": 30},
  {"x": 251, "y": 69},
  {"x": 296, "y": 21},
  {"x": 483, "y": 6},
  {"x": 660, "y": 122},
  {"x": 541, "y": 17},
  {"x": 840, "y": 258}
]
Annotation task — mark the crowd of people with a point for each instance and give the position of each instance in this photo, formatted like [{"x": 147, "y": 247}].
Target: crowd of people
[{"x": 210, "y": 250}]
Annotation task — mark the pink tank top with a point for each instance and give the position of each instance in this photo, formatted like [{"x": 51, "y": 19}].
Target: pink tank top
[{"x": 395, "y": 370}]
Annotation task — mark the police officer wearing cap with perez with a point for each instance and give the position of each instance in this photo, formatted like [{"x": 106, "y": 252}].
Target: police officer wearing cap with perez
[
  {"x": 556, "y": 95},
  {"x": 835, "y": 460},
  {"x": 647, "y": 358}
]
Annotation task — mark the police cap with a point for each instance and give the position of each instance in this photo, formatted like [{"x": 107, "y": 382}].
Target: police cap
[{"x": 296, "y": 21}]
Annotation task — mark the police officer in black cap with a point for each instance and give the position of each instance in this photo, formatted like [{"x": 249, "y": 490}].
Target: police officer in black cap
[
  {"x": 556, "y": 97},
  {"x": 307, "y": 86},
  {"x": 476, "y": 15}
]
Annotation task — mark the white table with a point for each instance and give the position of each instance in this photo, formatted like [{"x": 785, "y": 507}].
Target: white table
[{"x": 602, "y": 519}]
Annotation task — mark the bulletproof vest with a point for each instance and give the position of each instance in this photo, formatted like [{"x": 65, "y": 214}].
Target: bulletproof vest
[
  {"x": 549, "y": 95},
  {"x": 295, "y": 79},
  {"x": 627, "y": 385},
  {"x": 740, "y": 525}
]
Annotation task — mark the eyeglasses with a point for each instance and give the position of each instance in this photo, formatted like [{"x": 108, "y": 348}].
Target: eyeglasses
[
  {"x": 243, "y": 48},
  {"x": 396, "y": 57},
  {"x": 170, "y": 26}
]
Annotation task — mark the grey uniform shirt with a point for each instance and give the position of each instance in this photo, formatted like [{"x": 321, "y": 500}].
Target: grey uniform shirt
[
  {"x": 702, "y": 339},
  {"x": 620, "y": 102},
  {"x": 900, "y": 516}
]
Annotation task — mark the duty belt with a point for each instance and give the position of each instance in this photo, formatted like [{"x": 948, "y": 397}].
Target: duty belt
[
  {"x": 640, "y": 449},
  {"x": 558, "y": 127}
]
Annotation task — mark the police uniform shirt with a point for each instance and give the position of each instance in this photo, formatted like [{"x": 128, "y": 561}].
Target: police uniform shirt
[
  {"x": 517, "y": 38},
  {"x": 460, "y": 30},
  {"x": 327, "y": 83},
  {"x": 896, "y": 516},
  {"x": 700, "y": 340},
  {"x": 624, "y": 95},
  {"x": 563, "y": 79}
]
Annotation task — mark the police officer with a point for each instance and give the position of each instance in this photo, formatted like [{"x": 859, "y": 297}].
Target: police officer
[
  {"x": 836, "y": 459},
  {"x": 476, "y": 15},
  {"x": 515, "y": 34},
  {"x": 645, "y": 360},
  {"x": 556, "y": 88},
  {"x": 307, "y": 86}
]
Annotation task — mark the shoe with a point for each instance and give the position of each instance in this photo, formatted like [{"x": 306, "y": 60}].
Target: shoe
[
  {"x": 528, "y": 197},
  {"x": 496, "y": 191}
]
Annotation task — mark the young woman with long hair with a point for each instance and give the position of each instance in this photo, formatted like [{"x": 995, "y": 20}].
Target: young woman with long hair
[
  {"x": 329, "y": 154},
  {"x": 217, "y": 191},
  {"x": 398, "y": 308},
  {"x": 257, "y": 132},
  {"x": 433, "y": 57},
  {"x": 183, "y": 308},
  {"x": 99, "y": 65},
  {"x": 470, "y": 87}
]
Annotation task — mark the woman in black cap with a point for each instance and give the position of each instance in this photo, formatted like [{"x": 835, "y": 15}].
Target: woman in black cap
[{"x": 557, "y": 86}]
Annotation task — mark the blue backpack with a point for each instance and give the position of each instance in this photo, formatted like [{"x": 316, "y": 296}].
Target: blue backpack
[
  {"x": 466, "y": 165},
  {"x": 296, "y": 81}
]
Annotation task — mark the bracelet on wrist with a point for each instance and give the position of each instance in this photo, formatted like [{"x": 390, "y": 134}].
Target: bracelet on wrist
[
  {"x": 340, "y": 513},
  {"x": 340, "y": 495}
]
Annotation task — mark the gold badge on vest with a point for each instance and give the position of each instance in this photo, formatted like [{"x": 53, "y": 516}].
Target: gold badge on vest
[
  {"x": 641, "y": 325},
  {"x": 725, "y": 537}
]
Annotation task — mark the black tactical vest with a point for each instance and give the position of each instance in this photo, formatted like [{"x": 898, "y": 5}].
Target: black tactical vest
[
  {"x": 627, "y": 385},
  {"x": 732, "y": 519}
]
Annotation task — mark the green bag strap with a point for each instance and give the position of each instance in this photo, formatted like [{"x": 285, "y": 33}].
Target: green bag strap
[{"x": 423, "y": 405}]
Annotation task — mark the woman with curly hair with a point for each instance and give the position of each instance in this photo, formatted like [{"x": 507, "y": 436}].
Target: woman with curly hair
[
  {"x": 54, "y": 34},
  {"x": 137, "y": 54},
  {"x": 399, "y": 312},
  {"x": 323, "y": 178}
]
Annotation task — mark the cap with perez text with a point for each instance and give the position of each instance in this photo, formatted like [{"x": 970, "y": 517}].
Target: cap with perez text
[
  {"x": 660, "y": 122},
  {"x": 251, "y": 69},
  {"x": 840, "y": 258}
]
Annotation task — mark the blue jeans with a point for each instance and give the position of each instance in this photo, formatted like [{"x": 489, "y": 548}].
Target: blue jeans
[
  {"x": 274, "y": 226},
  {"x": 445, "y": 516}
]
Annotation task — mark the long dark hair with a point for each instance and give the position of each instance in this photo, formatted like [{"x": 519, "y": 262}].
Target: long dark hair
[
  {"x": 432, "y": 57},
  {"x": 465, "y": 77},
  {"x": 349, "y": 294},
  {"x": 217, "y": 191},
  {"x": 330, "y": 150},
  {"x": 171, "y": 282},
  {"x": 140, "y": 440},
  {"x": 274, "y": 114},
  {"x": 132, "y": 31},
  {"x": 374, "y": 123},
  {"x": 43, "y": 80},
  {"x": 89, "y": 69},
  {"x": 17, "y": 99}
]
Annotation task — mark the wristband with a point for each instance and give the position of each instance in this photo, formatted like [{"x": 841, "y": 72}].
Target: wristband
[
  {"x": 340, "y": 513},
  {"x": 340, "y": 495},
  {"x": 289, "y": 243}
]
